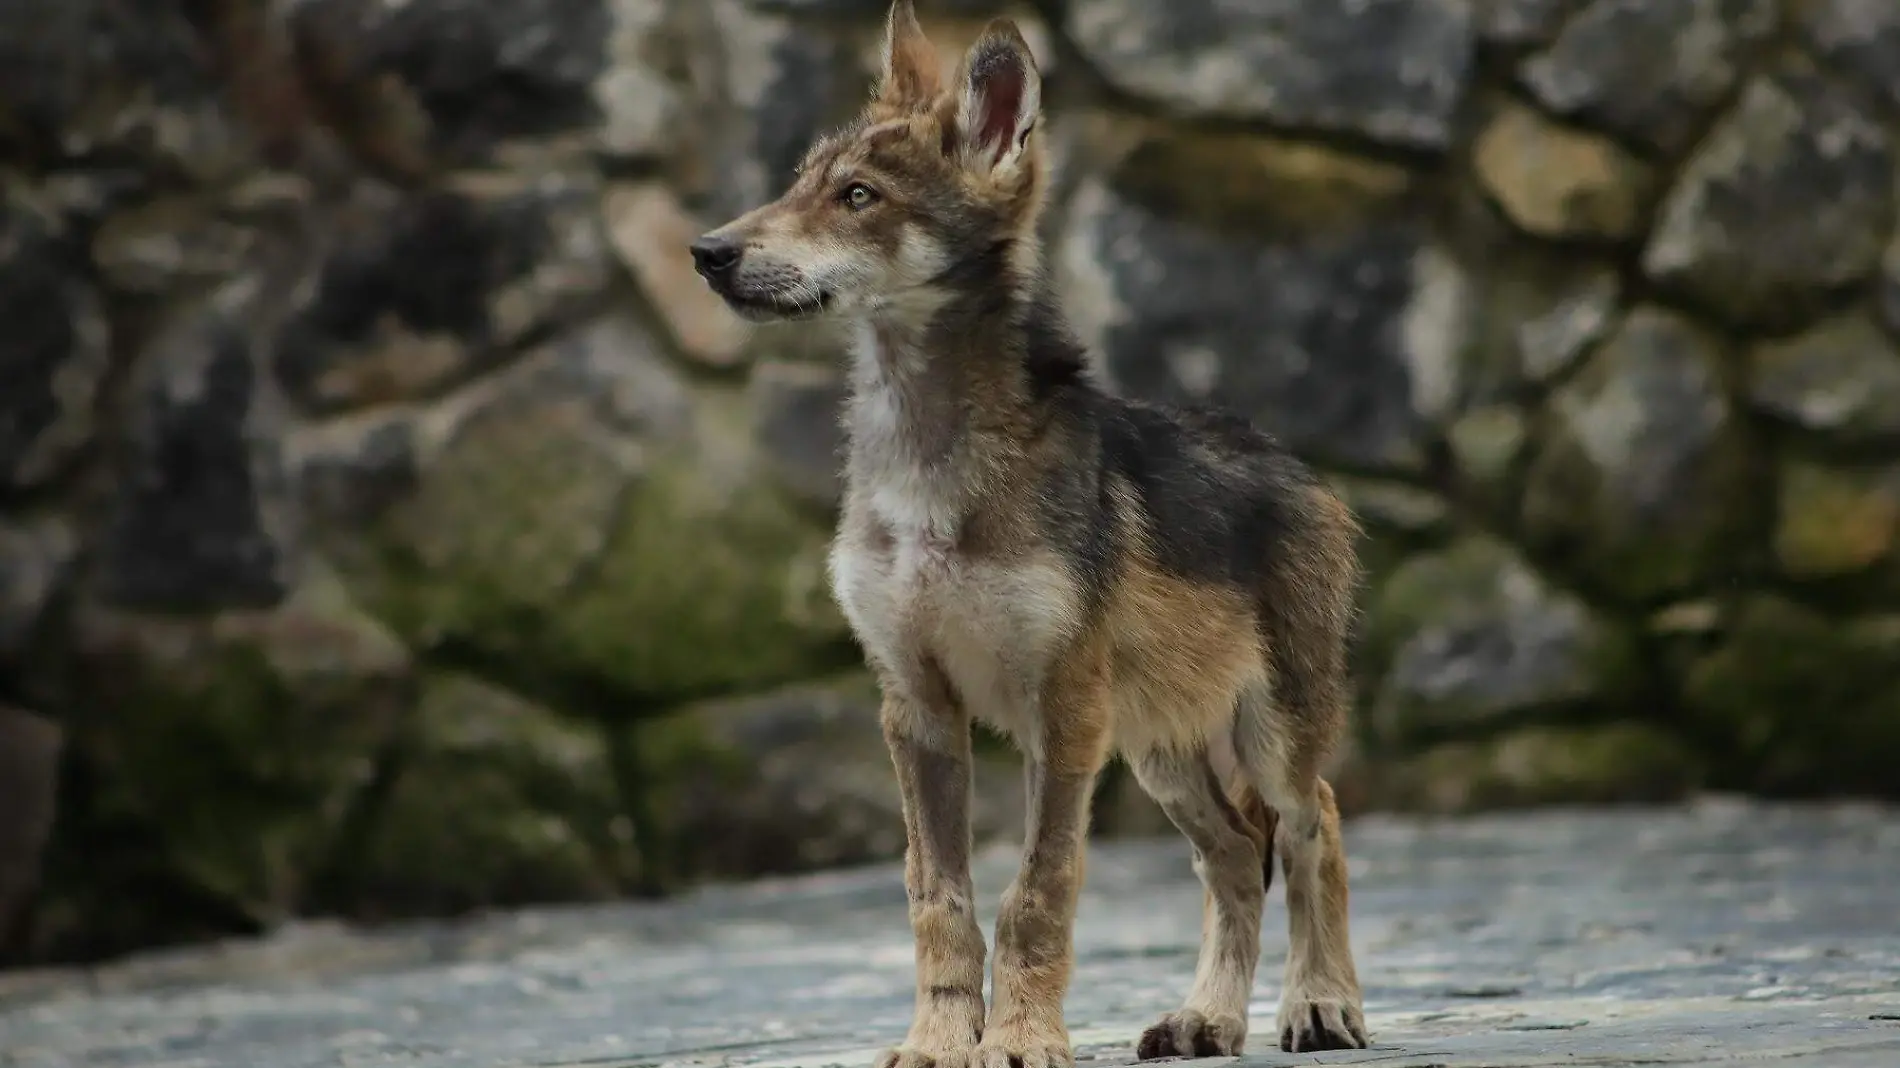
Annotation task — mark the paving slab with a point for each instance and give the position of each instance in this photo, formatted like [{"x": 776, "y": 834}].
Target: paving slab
[{"x": 1725, "y": 933}]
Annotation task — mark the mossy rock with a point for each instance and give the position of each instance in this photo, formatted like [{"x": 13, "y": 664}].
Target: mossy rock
[
  {"x": 798, "y": 778},
  {"x": 705, "y": 589},
  {"x": 1472, "y": 636},
  {"x": 1801, "y": 703},
  {"x": 494, "y": 801},
  {"x": 1840, "y": 527},
  {"x": 1217, "y": 178},
  {"x": 632, "y": 560},
  {"x": 1486, "y": 445},
  {"x": 1609, "y": 764},
  {"x": 1643, "y": 482},
  {"x": 224, "y": 756}
]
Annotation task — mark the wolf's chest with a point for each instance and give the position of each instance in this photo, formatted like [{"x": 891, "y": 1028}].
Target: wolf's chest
[{"x": 992, "y": 626}]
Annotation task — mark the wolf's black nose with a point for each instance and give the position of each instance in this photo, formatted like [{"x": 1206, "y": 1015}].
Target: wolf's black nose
[{"x": 715, "y": 255}]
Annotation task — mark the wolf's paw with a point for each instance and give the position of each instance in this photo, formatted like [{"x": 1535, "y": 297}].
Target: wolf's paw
[
  {"x": 1308, "y": 1023},
  {"x": 1007, "y": 1048},
  {"x": 1188, "y": 1033}
]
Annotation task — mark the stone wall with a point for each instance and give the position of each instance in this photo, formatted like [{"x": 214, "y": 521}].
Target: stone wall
[{"x": 390, "y": 523}]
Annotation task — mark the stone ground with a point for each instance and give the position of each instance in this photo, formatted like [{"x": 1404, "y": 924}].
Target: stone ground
[{"x": 1722, "y": 934}]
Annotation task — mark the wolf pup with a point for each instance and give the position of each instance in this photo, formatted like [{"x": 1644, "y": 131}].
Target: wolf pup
[{"x": 1086, "y": 573}]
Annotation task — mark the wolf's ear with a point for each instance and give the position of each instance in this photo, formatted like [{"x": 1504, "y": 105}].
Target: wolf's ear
[
  {"x": 911, "y": 78},
  {"x": 999, "y": 98}
]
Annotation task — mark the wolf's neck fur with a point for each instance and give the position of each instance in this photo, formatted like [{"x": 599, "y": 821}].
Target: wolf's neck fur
[{"x": 943, "y": 405}]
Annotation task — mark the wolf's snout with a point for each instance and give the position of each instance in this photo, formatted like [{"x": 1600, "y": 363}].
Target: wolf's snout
[{"x": 715, "y": 256}]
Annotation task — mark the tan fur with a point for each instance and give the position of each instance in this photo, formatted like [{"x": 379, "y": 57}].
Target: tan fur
[{"x": 1223, "y": 697}]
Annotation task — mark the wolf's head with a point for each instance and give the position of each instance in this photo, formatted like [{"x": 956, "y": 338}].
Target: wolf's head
[{"x": 932, "y": 188}]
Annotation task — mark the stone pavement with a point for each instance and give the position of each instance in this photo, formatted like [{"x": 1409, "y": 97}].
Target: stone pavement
[{"x": 1724, "y": 934}]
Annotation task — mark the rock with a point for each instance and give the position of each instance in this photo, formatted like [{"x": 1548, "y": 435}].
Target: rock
[
  {"x": 1393, "y": 71},
  {"x": 642, "y": 110},
  {"x": 171, "y": 242},
  {"x": 56, "y": 348},
  {"x": 1648, "y": 71},
  {"x": 1840, "y": 378},
  {"x": 418, "y": 293},
  {"x": 1343, "y": 342},
  {"x": 495, "y": 801},
  {"x": 1617, "y": 763},
  {"x": 1642, "y": 479},
  {"x": 585, "y": 516},
  {"x": 877, "y": 8},
  {"x": 1471, "y": 637},
  {"x": 1218, "y": 178},
  {"x": 1887, "y": 289},
  {"x": 195, "y": 521},
  {"x": 1394, "y": 507},
  {"x": 712, "y": 582},
  {"x": 518, "y": 487},
  {"x": 1836, "y": 522},
  {"x": 458, "y": 79},
  {"x": 1544, "y": 307},
  {"x": 1516, "y": 23},
  {"x": 1560, "y": 183},
  {"x": 35, "y": 556},
  {"x": 1860, "y": 38},
  {"x": 1800, "y": 702},
  {"x": 1789, "y": 198},
  {"x": 797, "y": 779},
  {"x": 351, "y": 470},
  {"x": 1565, "y": 325},
  {"x": 798, "y": 410},
  {"x": 225, "y": 755},
  {"x": 652, "y": 232},
  {"x": 782, "y": 84},
  {"x": 1399, "y": 521},
  {"x": 118, "y": 85},
  {"x": 30, "y": 749},
  {"x": 1486, "y": 444}
]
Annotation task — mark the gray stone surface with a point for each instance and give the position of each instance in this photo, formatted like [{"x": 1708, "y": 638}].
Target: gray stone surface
[
  {"x": 1724, "y": 236},
  {"x": 416, "y": 294},
  {"x": 1647, "y": 70},
  {"x": 192, "y": 524},
  {"x": 1521, "y": 22},
  {"x": 56, "y": 347},
  {"x": 1722, "y": 934},
  {"x": 1341, "y": 338},
  {"x": 1474, "y": 635},
  {"x": 1644, "y": 461},
  {"x": 1393, "y": 70},
  {"x": 1798, "y": 379},
  {"x": 1861, "y": 36},
  {"x": 472, "y": 74}
]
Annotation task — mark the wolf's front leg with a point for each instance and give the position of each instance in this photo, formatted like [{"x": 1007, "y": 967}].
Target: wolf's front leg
[
  {"x": 1034, "y": 930},
  {"x": 930, "y": 748}
]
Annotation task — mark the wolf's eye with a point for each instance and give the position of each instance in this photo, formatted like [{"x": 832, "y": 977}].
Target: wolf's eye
[{"x": 858, "y": 196}]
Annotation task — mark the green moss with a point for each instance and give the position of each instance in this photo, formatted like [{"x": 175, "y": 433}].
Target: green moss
[
  {"x": 507, "y": 518},
  {"x": 239, "y": 745},
  {"x": 704, "y": 590},
  {"x": 1608, "y": 764},
  {"x": 584, "y": 568},
  {"x": 1797, "y": 702},
  {"x": 495, "y": 801}
]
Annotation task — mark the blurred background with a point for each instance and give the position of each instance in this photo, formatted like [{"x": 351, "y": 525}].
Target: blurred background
[{"x": 392, "y": 525}]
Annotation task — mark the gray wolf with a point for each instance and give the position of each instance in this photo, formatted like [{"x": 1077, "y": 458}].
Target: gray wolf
[{"x": 1091, "y": 575}]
